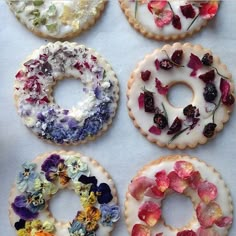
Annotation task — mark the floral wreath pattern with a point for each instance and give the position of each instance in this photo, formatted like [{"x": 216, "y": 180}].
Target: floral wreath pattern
[
  {"x": 154, "y": 84},
  {"x": 59, "y": 172},
  {"x": 181, "y": 178}
]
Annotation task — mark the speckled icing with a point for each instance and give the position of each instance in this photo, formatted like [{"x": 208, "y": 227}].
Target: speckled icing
[
  {"x": 144, "y": 17},
  {"x": 57, "y": 19},
  {"x": 167, "y": 163},
  {"x": 177, "y": 75},
  {"x": 51, "y": 173},
  {"x": 33, "y": 93}
]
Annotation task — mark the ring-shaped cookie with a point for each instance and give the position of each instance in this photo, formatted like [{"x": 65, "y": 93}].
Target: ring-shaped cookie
[
  {"x": 185, "y": 175},
  {"x": 41, "y": 179},
  {"x": 169, "y": 20},
  {"x": 33, "y": 93},
  {"x": 180, "y": 127},
  {"x": 55, "y": 19}
]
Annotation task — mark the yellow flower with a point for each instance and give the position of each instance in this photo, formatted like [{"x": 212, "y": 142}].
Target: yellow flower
[
  {"x": 36, "y": 224},
  {"x": 88, "y": 201},
  {"x": 22, "y": 232}
]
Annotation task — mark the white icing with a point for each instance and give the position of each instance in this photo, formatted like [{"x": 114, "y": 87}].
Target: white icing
[
  {"x": 80, "y": 13},
  {"x": 207, "y": 173},
  {"x": 171, "y": 77},
  {"x": 45, "y": 215}
]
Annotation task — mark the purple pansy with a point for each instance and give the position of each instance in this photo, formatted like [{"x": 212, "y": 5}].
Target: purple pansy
[
  {"x": 110, "y": 214},
  {"x": 102, "y": 192},
  {"x": 20, "y": 224}
]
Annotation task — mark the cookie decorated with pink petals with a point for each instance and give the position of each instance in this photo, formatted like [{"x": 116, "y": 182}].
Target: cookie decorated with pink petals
[
  {"x": 169, "y": 20},
  {"x": 201, "y": 183},
  {"x": 180, "y": 126}
]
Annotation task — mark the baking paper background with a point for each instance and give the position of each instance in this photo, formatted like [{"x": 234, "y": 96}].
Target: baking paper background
[{"x": 122, "y": 150}]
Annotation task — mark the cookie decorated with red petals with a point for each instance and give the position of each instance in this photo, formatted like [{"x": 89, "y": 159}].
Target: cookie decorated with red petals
[
  {"x": 185, "y": 175},
  {"x": 169, "y": 20},
  {"x": 40, "y": 180},
  {"x": 180, "y": 127}
]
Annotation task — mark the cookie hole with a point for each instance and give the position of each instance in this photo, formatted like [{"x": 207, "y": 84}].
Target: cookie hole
[
  {"x": 177, "y": 210},
  {"x": 64, "y": 205},
  {"x": 180, "y": 95},
  {"x": 68, "y": 92}
]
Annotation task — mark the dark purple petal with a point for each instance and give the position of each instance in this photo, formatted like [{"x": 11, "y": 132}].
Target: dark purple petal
[
  {"x": 188, "y": 11},
  {"x": 97, "y": 92},
  {"x": 72, "y": 123},
  {"x": 88, "y": 180},
  {"x": 51, "y": 161},
  {"x": 106, "y": 195},
  {"x": 20, "y": 201},
  {"x": 208, "y": 76},
  {"x": 20, "y": 224},
  {"x": 24, "y": 213},
  {"x": 50, "y": 175}
]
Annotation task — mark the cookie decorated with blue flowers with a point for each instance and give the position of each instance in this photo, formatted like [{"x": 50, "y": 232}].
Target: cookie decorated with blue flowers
[
  {"x": 33, "y": 93},
  {"x": 37, "y": 182}
]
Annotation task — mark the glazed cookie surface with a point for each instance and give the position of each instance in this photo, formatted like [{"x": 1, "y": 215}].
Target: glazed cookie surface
[
  {"x": 168, "y": 20},
  {"x": 34, "y": 85},
  {"x": 180, "y": 127},
  {"x": 57, "y": 19},
  {"x": 187, "y": 176},
  {"x": 40, "y": 180}
]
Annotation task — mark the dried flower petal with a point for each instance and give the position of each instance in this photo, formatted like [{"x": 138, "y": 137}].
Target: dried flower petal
[
  {"x": 155, "y": 130},
  {"x": 207, "y": 191},
  {"x": 145, "y": 75},
  {"x": 224, "y": 221},
  {"x": 188, "y": 11},
  {"x": 176, "y": 22},
  {"x": 162, "y": 180},
  {"x": 225, "y": 89},
  {"x": 183, "y": 169},
  {"x": 207, "y": 232},
  {"x": 20, "y": 75},
  {"x": 208, "y": 214},
  {"x": 208, "y": 76},
  {"x": 163, "y": 90},
  {"x": 186, "y": 233},
  {"x": 154, "y": 192},
  {"x": 194, "y": 63},
  {"x": 141, "y": 100},
  {"x": 140, "y": 230},
  {"x": 150, "y": 213},
  {"x": 138, "y": 186},
  {"x": 163, "y": 18},
  {"x": 177, "y": 56},
  {"x": 156, "y": 5},
  {"x": 149, "y": 105},
  {"x": 208, "y": 10},
  {"x": 175, "y": 126},
  {"x": 176, "y": 183},
  {"x": 157, "y": 64},
  {"x": 194, "y": 179}
]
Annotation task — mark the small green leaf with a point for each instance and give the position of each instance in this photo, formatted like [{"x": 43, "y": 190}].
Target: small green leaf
[
  {"x": 52, "y": 11},
  {"x": 38, "y": 3},
  {"x": 52, "y": 27}
]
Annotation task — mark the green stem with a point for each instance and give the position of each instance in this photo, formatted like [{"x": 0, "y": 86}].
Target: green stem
[
  {"x": 171, "y": 7},
  {"x": 165, "y": 112},
  {"x": 192, "y": 22},
  {"x": 213, "y": 114},
  {"x": 219, "y": 73},
  {"x": 177, "y": 134},
  {"x": 175, "y": 64},
  {"x": 136, "y": 8}
]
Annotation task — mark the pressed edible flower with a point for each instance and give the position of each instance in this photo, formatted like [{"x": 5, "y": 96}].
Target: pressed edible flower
[
  {"x": 140, "y": 230},
  {"x": 209, "y": 9},
  {"x": 109, "y": 214}
]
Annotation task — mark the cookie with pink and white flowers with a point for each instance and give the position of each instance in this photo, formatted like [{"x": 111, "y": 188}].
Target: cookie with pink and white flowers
[
  {"x": 195, "y": 123},
  {"x": 183, "y": 175},
  {"x": 169, "y": 20}
]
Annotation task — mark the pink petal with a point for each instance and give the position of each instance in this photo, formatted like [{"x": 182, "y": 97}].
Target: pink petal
[
  {"x": 208, "y": 214},
  {"x": 224, "y": 88},
  {"x": 154, "y": 192},
  {"x": 164, "y": 18},
  {"x": 20, "y": 75},
  {"x": 207, "y": 232},
  {"x": 138, "y": 186},
  {"x": 208, "y": 10},
  {"x": 194, "y": 63},
  {"x": 183, "y": 169},
  {"x": 150, "y": 213},
  {"x": 155, "y": 130},
  {"x": 156, "y": 5},
  {"x": 176, "y": 183},
  {"x": 194, "y": 179},
  {"x": 224, "y": 221},
  {"x": 140, "y": 230},
  {"x": 163, "y": 90},
  {"x": 207, "y": 191},
  {"x": 162, "y": 180},
  {"x": 208, "y": 76},
  {"x": 186, "y": 233},
  {"x": 141, "y": 101},
  {"x": 159, "y": 234}
]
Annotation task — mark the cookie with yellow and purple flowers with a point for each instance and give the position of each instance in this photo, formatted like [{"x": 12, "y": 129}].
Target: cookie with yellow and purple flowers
[
  {"x": 179, "y": 175},
  {"x": 169, "y": 20},
  {"x": 40, "y": 180},
  {"x": 166, "y": 124}
]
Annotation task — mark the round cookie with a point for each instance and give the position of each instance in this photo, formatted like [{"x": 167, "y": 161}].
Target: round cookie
[
  {"x": 201, "y": 183},
  {"x": 180, "y": 127},
  {"x": 57, "y": 19},
  {"x": 34, "y": 85},
  {"x": 168, "y": 20},
  {"x": 50, "y": 173}
]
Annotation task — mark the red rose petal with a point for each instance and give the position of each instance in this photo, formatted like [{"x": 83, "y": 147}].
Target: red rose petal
[
  {"x": 183, "y": 169},
  {"x": 224, "y": 88},
  {"x": 194, "y": 63},
  {"x": 208, "y": 76},
  {"x": 208, "y": 214},
  {"x": 162, "y": 180},
  {"x": 150, "y": 213},
  {"x": 176, "y": 22},
  {"x": 188, "y": 11},
  {"x": 140, "y": 230},
  {"x": 176, "y": 183},
  {"x": 157, "y": 64},
  {"x": 186, "y": 233},
  {"x": 194, "y": 179},
  {"x": 154, "y": 192},
  {"x": 224, "y": 221},
  {"x": 141, "y": 101},
  {"x": 207, "y": 191},
  {"x": 155, "y": 130},
  {"x": 138, "y": 186},
  {"x": 208, "y": 10},
  {"x": 159, "y": 234},
  {"x": 163, "y": 90},
  {"x": 20, "y": 75},
  {"x": 156, "y": 5},
  {"x": 207, "y": 232},
  {"x": 145, "y": 75}
]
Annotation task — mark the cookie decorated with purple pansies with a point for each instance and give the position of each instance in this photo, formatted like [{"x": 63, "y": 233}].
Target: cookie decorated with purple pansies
[
  {"x": 33, "y": 92},
  {"x": 38, "y": 181},
  {"x": 169, "y": 20},
  {"x": 180, "y": 127}
]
